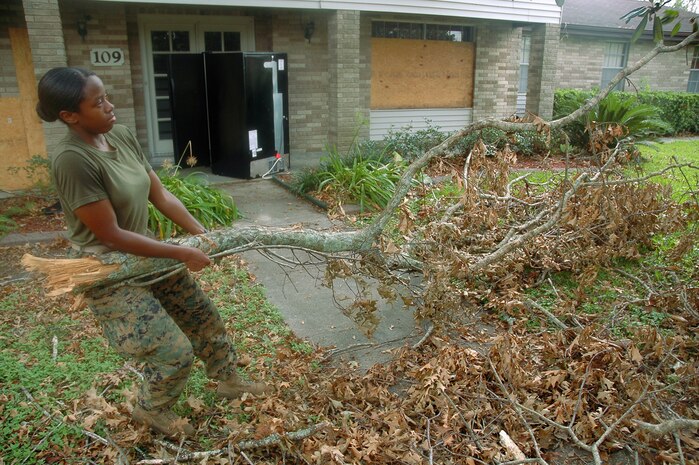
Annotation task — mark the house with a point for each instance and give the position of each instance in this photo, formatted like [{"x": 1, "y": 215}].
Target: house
[
  {"x": 388, "y": 63},
  {"x": 596, "y": 43}
]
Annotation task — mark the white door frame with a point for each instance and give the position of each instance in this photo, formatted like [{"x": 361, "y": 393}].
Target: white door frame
[{"x": 197, "y": 25}]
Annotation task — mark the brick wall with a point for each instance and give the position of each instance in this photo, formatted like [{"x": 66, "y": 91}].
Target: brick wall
[
  {"x": 309, "y": 117},
  {"x": 48, "y": 51},
  {"x": 542, "y": 69},
  {"x": 497, "y": 70},
  {"x": 11, "y": 15},
  {"x": 106, "y": 29},
  {"x": 345, "y": 99},
  {"x": 580, "y": 66},
  {"x": 667, "y": 71}
]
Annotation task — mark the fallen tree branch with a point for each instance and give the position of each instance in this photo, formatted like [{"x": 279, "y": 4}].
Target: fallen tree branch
[
  {"x": 273, "y": 439},
  {"x": 669, "y": 426}
]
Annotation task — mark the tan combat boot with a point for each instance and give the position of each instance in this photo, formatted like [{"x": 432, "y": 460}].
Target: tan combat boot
[
  {"x": 165, "y": 422},
  {"x": 235, "y": 387}
]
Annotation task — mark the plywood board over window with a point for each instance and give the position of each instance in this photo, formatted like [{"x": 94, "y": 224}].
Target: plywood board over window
[
  {"x": 21, "y": 133},
  {"x": 421, "y": 74}
]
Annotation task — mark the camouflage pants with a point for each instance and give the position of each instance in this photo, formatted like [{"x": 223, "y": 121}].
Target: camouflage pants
[{"x": 164, "y": 326}]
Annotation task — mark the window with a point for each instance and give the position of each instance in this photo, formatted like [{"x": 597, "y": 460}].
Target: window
[
  {"x": 615, "y": 57},
  {"x": 693, "y": 85},
  {"x": 420, "y": 31},
  {"x": 524, "y": 62}
]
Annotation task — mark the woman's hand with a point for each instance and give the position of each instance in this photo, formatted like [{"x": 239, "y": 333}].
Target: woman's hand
[{"x": 194, "y": 258}]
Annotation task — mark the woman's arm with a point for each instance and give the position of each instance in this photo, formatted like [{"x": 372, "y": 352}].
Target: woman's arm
[
  {"x": 100, "y": 218},
  {"x": 171, "y": 206}
]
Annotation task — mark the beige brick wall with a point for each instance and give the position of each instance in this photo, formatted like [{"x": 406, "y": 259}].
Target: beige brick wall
[
  {"x": 667, "y": 71},
  {"x": 580, "y": 66},
  {"x": 48, "y": 51},
  {"x": 106, "y": 29},
  {"x": 345, "y": 100},
  {"x": 309, "y": 118},
  {"x": 11, "y": 15},
  {"x": 497, "y": 70},
  {"x": 542, "y": 69}
]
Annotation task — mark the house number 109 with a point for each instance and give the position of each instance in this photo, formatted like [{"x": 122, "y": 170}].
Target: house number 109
[{"x": 106, "y": 57}]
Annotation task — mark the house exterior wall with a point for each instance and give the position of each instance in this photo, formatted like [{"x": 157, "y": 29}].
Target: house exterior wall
[
  {"x": 497, "y": 70},
  {"x": 667, "y": 71},
  {"x": 308, "y": 77},
  {"x": 107, "y": 28},
  {"x": 580, "y": 62},
  {"x": 11, "y": 15},
  {"x": 542, "y": 69},
  {"x": 329, "y": 76}
]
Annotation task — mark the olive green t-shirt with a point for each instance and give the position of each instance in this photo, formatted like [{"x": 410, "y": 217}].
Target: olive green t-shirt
[{"x": 83, "y": 174}]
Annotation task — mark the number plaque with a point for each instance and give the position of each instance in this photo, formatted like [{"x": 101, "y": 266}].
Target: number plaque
[{"x": 106, "y": 57}]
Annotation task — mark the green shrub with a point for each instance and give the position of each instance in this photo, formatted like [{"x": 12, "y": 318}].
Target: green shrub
[
  {"x": 638, "y": 120},
  {"x": 679, "y": 109},
  {"x": 368, "y": 181},
  {"x": 210, "y": 206},
  {"x": 413, "y": 144}
]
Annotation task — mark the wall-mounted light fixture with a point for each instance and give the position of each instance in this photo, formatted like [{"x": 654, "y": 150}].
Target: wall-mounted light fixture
[
  {"x": 309, "y": 28},
  {"x": 82, "y": 26}
]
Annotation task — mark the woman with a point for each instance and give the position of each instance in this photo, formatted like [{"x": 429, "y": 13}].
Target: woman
[{"x": 104, "y": 183}]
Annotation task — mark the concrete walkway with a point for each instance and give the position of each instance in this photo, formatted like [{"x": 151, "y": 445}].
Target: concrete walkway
[{"x": 312, "y": 311}]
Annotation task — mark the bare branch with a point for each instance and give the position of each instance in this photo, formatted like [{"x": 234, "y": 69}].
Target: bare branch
[{"x": 669, "y": 426}]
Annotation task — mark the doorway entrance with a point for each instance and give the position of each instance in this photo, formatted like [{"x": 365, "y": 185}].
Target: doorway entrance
[{"x": 162, "y": 36}]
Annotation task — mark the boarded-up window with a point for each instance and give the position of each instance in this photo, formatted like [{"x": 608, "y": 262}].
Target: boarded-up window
[{"x": 421, "y": 74}]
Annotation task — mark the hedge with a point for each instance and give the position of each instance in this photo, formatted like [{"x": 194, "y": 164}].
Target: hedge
[{"x": 680, "y": 109}]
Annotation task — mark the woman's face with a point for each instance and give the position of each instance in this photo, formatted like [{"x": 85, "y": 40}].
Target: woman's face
[{"x": 96, "y": 114}]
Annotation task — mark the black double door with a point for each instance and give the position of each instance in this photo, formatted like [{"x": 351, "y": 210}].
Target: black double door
[{"x": 232, "y": 107}]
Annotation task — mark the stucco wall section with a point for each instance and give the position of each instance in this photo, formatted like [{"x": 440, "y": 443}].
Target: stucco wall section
[{"x": 497, "y": 70}]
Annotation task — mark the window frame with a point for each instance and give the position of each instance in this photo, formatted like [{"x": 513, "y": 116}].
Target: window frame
[
  {"x": 693, "y": 80},
  {"x": 411, "y": 29},
  {"x": 608, "y": 71}
]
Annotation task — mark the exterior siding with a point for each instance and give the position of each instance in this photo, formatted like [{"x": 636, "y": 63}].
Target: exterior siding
[
  {"x": 579, "y": 63},
  {"x": 667, "y": 71},
  {"x": 445, "y": 119}
]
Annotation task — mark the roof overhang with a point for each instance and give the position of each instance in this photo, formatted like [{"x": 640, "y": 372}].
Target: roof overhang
[{"x": 527, "y": 11}]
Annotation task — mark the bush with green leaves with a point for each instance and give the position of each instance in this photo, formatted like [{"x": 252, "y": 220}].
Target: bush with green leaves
[
  {"x": 639, "y": 121},
  {"x": 411, "y": 144},
  {"x": 210, "y": 206},
  {"x": 366, "y": 180},
  {"x": 679, "y": 109}
]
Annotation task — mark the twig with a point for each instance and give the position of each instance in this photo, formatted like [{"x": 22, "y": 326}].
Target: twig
[
  {"x": 47, "y": 414},
  {"x": 679, "y": 448},
  {"x": 54, "y": 351},
  {"x": 273, "y": 439},
  {"x": 426, "y": 336},
  {"x": 549, "y": 315},
  {"x": 510, "y": 446},
  {"x": 429, "y": 442}
]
